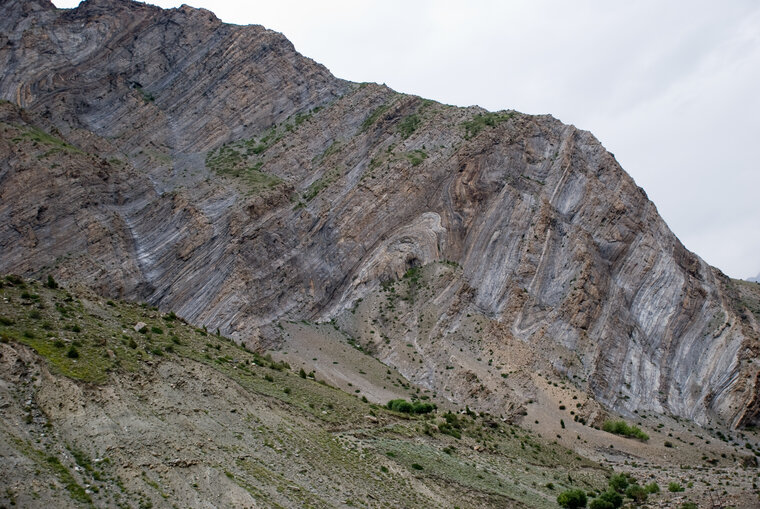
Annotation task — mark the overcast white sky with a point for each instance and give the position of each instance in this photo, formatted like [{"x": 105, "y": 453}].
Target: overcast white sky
[{"x": 671, "y": 88}]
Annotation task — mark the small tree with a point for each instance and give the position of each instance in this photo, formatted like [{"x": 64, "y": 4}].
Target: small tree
[
  {"x": 636, "y": 493},
  {"x": 619, "y": 482},
  {"x": 599, "y": 503},
  {"x": 611, "y": 497},
  {"x": 572, "y": 499}
]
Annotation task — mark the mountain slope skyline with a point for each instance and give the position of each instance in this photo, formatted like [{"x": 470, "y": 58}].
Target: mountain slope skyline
[{"x": 656, "y": 94}]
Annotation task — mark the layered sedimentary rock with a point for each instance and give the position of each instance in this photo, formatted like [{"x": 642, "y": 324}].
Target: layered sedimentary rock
[{"x": 238, "y": 183}]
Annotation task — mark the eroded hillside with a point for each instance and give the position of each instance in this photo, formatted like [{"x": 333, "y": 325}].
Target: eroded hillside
[
  {"x": 110, "y": 404},
  {"x": 220, "y": 174}
]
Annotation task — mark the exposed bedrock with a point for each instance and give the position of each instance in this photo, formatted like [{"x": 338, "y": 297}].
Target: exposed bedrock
[{"x": 210, "y": 169}]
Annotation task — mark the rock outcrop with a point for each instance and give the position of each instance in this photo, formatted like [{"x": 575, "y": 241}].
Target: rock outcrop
[{"x": 162, "y": 155}]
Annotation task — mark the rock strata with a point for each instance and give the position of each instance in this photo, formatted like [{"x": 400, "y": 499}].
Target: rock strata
[{"x": 164, "y": 156}]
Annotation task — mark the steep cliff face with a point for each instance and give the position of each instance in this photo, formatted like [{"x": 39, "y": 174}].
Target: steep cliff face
[{"x": 239, "y": 184}]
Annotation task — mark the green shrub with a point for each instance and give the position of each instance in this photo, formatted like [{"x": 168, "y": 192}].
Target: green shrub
[
  {"x": 400, "y": 405},
  {"x": 619, "y": 482},
  {"x": 483, "y": 120},
  {"x": 73, "y": 353},
  {"x": 6, "y": 321},
  {"x": 689, "y": 505},
  {"x": 599, "y": 503},
  {"x": 623, "y": 429},
  {"x": 417, "y": 466},
  {"x": 652, "y": 487},
  {"x": 416, "y": 157},
  {"x": 279, "y": 366},
  {"x": 156, "y": 330},
  {"x": 15, "y": 280},
  {"x": 636, "y": 493},
  {"x": 374, "y": 116},
  {"x": 674, "y": 487},
  {"x": 58, "y": 343},
  {"x": 572, "y": 499},
  {"x": 404, "y": 406},
  {"x": 611, "y": 497},
  {"x": 51, "y": 282},
  {"x": 410, "y": 124}
]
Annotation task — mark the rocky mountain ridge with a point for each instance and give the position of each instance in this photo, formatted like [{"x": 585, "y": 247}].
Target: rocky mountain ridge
[{"x": 164, "y": 156}]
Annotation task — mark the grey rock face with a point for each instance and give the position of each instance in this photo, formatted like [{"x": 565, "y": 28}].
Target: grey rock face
[{"x": 240, "y": 183}]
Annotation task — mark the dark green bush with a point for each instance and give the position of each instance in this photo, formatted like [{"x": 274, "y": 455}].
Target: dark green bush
[
  {"x": 572, "y": 499},
  {"x": 636, "y": 493},
  {"x": 15, "y": 280},
  {"x": 599, "y": 503},
  {"x": 619, "y": 482},
  {"x": 51, "y": 282},
  {"x": 404, "y": 406},
  {"x": 674, "y": 487},
  {"x": 156, "y": 330},
  {"x": 73, "y": 353},
  {"x": 612, "y": 497}
]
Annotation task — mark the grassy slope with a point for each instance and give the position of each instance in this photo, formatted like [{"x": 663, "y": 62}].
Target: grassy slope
[{"x": 324, "y": 448}]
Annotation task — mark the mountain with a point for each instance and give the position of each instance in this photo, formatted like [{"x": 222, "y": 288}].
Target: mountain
[
  {"x": 755, "y": 279},
  {"x": 209, "y": 169}
]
